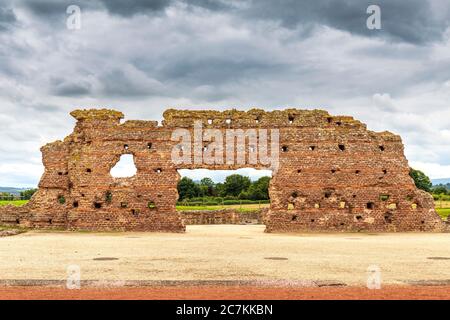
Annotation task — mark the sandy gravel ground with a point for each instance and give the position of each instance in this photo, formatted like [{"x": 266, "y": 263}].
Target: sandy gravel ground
[{"x": 224, "y": 252}]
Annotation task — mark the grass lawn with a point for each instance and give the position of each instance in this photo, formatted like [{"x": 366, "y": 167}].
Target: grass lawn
[
  {"x": 241, "y": 208},
  {"x": 442, "y": 204},
  {"x": 17, "y": 203},
  {"x": 444, "y": 213}
]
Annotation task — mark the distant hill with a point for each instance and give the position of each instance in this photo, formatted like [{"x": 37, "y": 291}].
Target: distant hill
[
  {"x": 440, "y": 181},
  {"x": 11, "y": 190}
]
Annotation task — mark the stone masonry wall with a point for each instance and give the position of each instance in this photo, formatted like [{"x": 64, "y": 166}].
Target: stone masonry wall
[
  {"x": 223, "y": 216},
  {"x": 334, "y": 175}
]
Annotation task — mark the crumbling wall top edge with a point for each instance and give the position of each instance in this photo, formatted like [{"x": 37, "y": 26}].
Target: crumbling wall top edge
[{"x": 97, "y": 114}]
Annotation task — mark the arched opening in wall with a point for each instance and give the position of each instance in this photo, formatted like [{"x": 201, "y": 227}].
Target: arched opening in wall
[
  {"x": 125, "y": 167},
  {"x": 232, "y": 197}
]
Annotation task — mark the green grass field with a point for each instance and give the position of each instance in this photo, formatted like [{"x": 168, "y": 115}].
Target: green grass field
[
  {"x": 443, "y": 212},
  {"x": 242, "y": 208},
  {"x": 442, "y": 208},
  {"x": 16, "y": 203}
]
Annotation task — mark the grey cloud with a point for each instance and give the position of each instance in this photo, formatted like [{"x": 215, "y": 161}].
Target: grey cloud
[
  {"x": 411, "y": 21},
  {"x": 71, "y": 89},
  {"x": 7, "y": 18},
  {"x": 128, "y": 82},
  {"x": 129, "y": 8},
  {"x": 238, "y": 53}
]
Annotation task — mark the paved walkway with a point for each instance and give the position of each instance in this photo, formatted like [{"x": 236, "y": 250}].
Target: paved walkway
[{"x": 228, "y": 253}]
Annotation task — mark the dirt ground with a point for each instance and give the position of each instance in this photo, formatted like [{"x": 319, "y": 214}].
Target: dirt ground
[
  {"x": 408, "y": 262},
  {"x": 228, "y": 293}
]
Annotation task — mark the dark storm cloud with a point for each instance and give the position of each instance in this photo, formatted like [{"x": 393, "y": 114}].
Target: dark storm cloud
[
  {"x": 7, "y": 18},
  {"x": 413, "y": 21},
  {"x": 71, "y": 89},
  {"x": 129, "y": 8},
  {"x": 217, "y": 70}
]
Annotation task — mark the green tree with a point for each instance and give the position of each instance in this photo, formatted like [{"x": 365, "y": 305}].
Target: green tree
[
  {"x": 421, "y": 180},
  {"x": 259, "y": 190},
  {"x": 27, "y": 194},
  {"x": 440, "y": 189},
  {"x": 208, "y": 187},
  {"x": 187, "y": 188},
  {"x": 220, "y": 189},
  {"x": 235, "y": 184}
]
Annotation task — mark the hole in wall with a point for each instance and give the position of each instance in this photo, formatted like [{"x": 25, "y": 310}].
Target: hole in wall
[
  {"x": 126, "y": 147},
  {"x": 388, "y": 217},
  {"x": 359, "y": 218},
  {"x": 341, "y": 147},
  {"x": 125, "y": 167},
  {"x": 61, "y": 199},
  {"x": 312, "y": 148},
  {"x": 75, "y": 204},
  {"x": 294, "y": 217},
  {"x": 222, "y": 189},
  {"x": 88, "y": 170},
  {"x": 151, "y": 205},
  {"x": 108, "y": 196},
  {"x": 209, "y": 121},
  {"x": 291, "y": 119},
  {"x": 124, "y": 204},
  {"x": 149, "y": 145},
  {"x": 384, "y": 197},
  {"x": 370, "y": 205},
  {"x": 97, "y": 205},
  {"x": 284, "y": 148},
  {"x": 382, "y": 148}
]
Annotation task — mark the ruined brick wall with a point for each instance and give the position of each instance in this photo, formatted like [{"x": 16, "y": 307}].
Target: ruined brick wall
[
  {"x": 223, "y": 216},
  {"x": 333, "y": 175}
]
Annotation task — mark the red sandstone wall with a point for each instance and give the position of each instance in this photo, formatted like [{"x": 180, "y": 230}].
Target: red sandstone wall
[{"x": 334, "y": 175}]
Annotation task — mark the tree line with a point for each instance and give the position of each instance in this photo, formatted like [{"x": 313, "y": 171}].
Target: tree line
[
  {"x": 235, "y": 186},
  {"x": 422, "y": 181},
  {"x": 24, "y": 195}
]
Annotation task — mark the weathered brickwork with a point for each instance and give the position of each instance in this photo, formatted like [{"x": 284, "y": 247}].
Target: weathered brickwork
[
  {"x": 223, "y": 216},
  {"x": 333, "y": 175}
]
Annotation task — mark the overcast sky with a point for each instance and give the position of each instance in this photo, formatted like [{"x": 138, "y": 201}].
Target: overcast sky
[{"x": 141, "y": 57}]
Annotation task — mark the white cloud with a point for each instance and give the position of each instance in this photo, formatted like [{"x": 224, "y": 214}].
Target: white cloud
[
  {"x": 141, "y": 64},
  {"x": 433, "y": 170}
]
